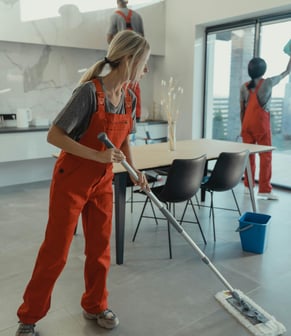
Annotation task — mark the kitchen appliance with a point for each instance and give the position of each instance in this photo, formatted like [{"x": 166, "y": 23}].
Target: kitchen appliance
[{"x": 23, "y": 117}]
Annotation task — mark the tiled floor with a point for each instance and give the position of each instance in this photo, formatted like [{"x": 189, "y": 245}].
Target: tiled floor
[{"x": 151, "y": 294}]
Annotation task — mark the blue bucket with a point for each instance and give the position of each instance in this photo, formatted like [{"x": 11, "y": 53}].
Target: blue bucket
[{"x": 253, "y": 230}]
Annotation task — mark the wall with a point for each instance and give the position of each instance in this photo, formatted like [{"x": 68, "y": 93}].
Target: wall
[
  {"x": 184, "y": 48},
  {"x": 73, "y": 28},
  {"x": 40, "y": 77}
]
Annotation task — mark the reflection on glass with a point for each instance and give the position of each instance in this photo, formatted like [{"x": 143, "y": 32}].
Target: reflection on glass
[
  {"x": 228, "y": 53},
  {"x": 50, "y": 9}
]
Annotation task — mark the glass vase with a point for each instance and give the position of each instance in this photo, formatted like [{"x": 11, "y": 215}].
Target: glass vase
[{"x": 172, "y": 135}]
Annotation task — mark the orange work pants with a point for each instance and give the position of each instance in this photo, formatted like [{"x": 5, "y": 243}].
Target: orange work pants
[
  {"x": 95, "y": 205},
  {"x": 265, "y": 172}
]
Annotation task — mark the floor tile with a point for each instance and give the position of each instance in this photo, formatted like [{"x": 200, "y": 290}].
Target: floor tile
[{"x": 151, "y": 294}]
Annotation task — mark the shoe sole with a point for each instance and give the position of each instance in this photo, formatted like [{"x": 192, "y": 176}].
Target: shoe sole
[
  {"x": 101, "y": 322},
  {"x": 268, "y": 197}
]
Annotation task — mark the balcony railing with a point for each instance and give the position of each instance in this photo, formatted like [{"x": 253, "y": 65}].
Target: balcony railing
[{"x": 221, "y": 125}]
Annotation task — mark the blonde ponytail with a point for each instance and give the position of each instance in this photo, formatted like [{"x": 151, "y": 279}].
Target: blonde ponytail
[
  {"x": 93, "y": 72},
  {"x": 126, "y": 43}
]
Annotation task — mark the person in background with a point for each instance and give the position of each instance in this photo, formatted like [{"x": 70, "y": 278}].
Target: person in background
[
  {"x": 255, "y": 98},
  {"x": 124, "y": 18},
  {"x": 82, "y": 181}
]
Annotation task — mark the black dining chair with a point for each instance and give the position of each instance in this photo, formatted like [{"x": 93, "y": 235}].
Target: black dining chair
[
  {"x": 182, "y": 183},
  {"x": 226, "y": 174}
]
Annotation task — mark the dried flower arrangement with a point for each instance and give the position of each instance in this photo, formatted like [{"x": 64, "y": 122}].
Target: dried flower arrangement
[{"x": 170, "y": 104}]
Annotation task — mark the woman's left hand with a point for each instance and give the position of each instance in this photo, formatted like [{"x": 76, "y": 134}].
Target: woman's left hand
[{"x": 142, "y": 180}]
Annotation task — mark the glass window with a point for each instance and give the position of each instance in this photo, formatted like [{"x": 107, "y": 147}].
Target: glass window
[
  {"x": 273, "y": 38},
  {"x": 274, "y": 35},
  {"x": 228, "y": 52}
]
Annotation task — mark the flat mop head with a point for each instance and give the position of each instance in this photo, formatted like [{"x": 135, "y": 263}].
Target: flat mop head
[{"x": 249, "y": 314}]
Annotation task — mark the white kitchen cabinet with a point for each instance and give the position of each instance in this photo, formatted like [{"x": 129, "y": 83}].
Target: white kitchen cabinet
[
  {"x": 25, "y": 156},
  {"x": 20, "y": 146},
  {"x": 156, "y": 129}
]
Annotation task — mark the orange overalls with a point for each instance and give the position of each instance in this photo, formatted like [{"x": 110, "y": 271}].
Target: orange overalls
[
  {"x": 127, "y": 18},
  {"x": 79, "y": 186},
  {"x": 134, "y": 87},
  {"x": 256, "y": 129},
  {"x": 136, "y": 90}
]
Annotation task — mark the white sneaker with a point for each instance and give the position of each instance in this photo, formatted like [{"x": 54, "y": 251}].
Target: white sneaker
[
  {"x": 106, "y": 319},
  {"x": 25, "y": 330},
  {"x": 268, "y": 196}
]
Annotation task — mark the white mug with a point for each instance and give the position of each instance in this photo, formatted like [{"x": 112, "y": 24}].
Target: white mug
[{"x": 23, "y": 117}]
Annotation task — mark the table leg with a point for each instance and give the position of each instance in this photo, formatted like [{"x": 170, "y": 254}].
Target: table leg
[
  {"x": 120, "y": 181},
  {"x": 251, "y": 186},
  {"x": 202, "y": 190}
]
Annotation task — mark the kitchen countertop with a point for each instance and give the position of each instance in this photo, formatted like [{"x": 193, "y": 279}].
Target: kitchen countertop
[
  {"x": 152, "y": 122},
  {"x": 7, "y": 129}
]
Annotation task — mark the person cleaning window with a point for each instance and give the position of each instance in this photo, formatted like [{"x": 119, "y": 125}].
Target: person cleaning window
[{"x": 255, "y": 98}]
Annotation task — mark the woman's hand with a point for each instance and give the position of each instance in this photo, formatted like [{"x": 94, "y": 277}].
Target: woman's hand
[
  {"x": 142, "y": 180},
  {"x": 113, "y": 155}
]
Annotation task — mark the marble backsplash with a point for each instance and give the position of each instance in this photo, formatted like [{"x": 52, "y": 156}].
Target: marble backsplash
[{"x": 40, "y": 77}]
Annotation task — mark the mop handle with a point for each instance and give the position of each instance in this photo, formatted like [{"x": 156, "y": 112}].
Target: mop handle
[{"x": 103, "y": 138}]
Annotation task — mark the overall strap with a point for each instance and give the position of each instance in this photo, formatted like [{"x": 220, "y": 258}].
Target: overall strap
[
  {"x": 100, "y": 95},
  {"x": 101, "y": 98},
  {"x": 128, "y": 102},
  {"x": 259, "y": 85},
  {"x": 126, "y": 18}
]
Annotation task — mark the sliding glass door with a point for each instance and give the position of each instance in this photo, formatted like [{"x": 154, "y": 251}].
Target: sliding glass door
[{"x": 228, "y": 52}]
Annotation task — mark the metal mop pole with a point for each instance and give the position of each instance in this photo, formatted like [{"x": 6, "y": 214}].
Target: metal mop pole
[
  {"x": 247, "y": 312},
  {"x": 103, "y": 138}
]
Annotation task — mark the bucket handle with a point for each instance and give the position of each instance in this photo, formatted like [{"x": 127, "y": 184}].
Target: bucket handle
[{"x": 245, "y": 228}]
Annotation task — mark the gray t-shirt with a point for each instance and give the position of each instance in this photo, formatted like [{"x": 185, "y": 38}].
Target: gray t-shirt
[
  {"x": 264, "y": 93},
  {"x": 118, "y": 23},
  {"x": 75, "y": 117}
]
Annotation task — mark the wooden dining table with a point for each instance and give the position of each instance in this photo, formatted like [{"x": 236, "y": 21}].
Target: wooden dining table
[{"x": 158, "y": 155}]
